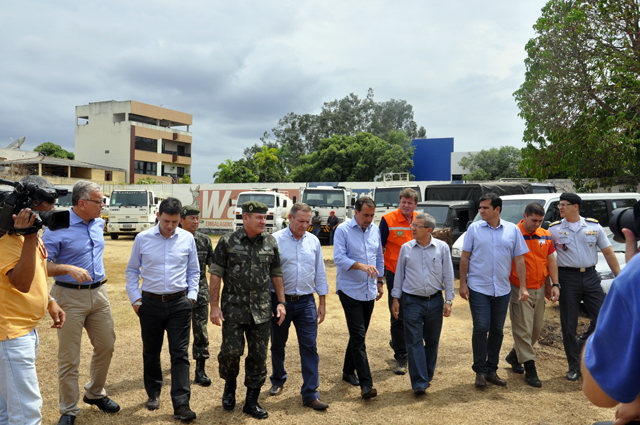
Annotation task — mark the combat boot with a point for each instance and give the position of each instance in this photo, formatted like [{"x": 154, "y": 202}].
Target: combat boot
[
  {"x": 251, "y": 406},
  {"x": 229, "y": 395},
  {"x": 201, "y": 377},
  {"x": 531, "y": 375},
  {"x": 512, "y": 359}
]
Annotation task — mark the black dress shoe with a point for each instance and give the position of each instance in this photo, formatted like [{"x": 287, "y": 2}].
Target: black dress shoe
[
  {"x": 369, "y": 392},
  {"x": 153, "y": 403},
  {"x": 419, "y": 391},
  {"x": 316, "y": 404},
  {"x": 495, "y": 379},
  {"x": 105, "y": 404},
  {"x": 573, "y": 375},
  {"x": 275, "y": 390},
  {"x": 352, "y": 379},
  {"x": 66, "y": 420},
  {"x": 184, "y": 413},
  {"x": 481, "y": 380}
]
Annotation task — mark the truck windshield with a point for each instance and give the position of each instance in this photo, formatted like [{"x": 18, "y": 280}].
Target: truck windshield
[
  {"x": 513, "y": 209},
  {"x": 391, "y": 195},
  {"x": 324, "y": 198},
  {"x": 128, "y": 199},
  {"x": 266, "y": 198},
  {"x": 64, "y": 201},
  {"x": 439, "y": 212}
]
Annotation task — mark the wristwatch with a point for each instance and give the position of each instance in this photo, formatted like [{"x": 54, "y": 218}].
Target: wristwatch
[
  {"x": 381, "y": 281},
  {"x": 448, "y": 302},
  {"x": 284, "y": 303},
  {"x": 557, "y": 285}
]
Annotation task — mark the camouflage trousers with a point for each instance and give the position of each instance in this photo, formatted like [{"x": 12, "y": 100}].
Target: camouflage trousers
[
  {"x": 255, "y": 365},
  {"x": 200, "y": 318}
]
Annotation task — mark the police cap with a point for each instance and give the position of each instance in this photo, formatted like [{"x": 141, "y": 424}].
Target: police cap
[
  {"x": 571, "y": 198},
  {"x": 189, "y": 210},
  {"x": 254, "y": 207}
]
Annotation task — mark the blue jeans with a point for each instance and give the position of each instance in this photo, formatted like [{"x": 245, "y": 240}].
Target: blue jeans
[
  {"x": 317, "y": 231},
  {"x": 304, "y": 316},
  {"x": 488, "y": 314},
  {"x": 331, "y": 233},
  {"x": 20, "y": 400},
  {"x": 422, "y": 327}
]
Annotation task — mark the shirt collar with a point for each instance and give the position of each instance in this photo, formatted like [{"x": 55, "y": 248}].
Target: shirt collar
[
  {"x": 156, "y": 231},
  {"x": 414, "y": 243},
  {"x": 354, "y": 223},
  {"x": 486, "y": 223},
  {"x": 74, "y": 219},
  {"x": 289, "y": 234}
]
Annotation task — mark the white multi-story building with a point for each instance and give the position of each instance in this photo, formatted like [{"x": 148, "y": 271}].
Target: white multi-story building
[{"x": 144, "y": 140}]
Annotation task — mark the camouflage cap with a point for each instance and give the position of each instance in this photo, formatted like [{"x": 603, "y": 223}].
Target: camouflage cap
[
  {"x": 189, "y": 210},
  {"x": 254, "y": 207}
]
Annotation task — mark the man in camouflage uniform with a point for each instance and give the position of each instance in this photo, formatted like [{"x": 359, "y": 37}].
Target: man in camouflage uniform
[
  {"x": 189, "y": 220},
  {"x": 245, "y": 259}
]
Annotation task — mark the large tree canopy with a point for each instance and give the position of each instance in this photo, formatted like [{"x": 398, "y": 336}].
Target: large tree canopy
[
  {"x": 53, "y": 150},
  {"x": 581, "y": 95},
  {"x": 356, "y": 158},
  {"x": 301, "y": 134},
  {"x": 235, "y": 172},
  {"x": 493, "y": 164}
]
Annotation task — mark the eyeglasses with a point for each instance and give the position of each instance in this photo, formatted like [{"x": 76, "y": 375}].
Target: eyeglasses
[
  {"x": 415, "y": 226},
  {"x": 563, "y": 205},
  {"x": 94, "y": 201}
]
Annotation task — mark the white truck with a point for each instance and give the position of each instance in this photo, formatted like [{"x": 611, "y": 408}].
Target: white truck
[
  {"x": 132, "y": 211},
  {"x": 326, "y": 199},
  {"x": 387, "y": 199},
  {"x": 278, "y": 203}
]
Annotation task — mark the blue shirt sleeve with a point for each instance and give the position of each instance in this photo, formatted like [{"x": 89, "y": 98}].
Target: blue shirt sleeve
[
  {"x": 340, "y": 253},
  {"x": 521, "y": 247},
  {"x": 379, "y": 255},
  {"x": 193, "y": 271},
  {"x": 467, "y": 243},
  {"x": 398, "y": 279},
  {"x": 132, "y": 273},
  {"x": 322, "y": 287}
]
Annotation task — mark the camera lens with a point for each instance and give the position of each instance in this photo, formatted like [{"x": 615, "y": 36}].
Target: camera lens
[{"x": 623, "y": 218}]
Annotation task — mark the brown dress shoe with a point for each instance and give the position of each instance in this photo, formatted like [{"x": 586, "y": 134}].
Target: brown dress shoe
[
  {"x": 275, "y": 390},
  {"x": 481, "y": 380},
  {"x": 316, "y": 404},
  {"x": 495, "y": 379}
]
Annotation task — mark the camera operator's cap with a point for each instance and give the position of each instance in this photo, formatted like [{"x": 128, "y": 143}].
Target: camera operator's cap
[
  {"x": 254, "y": 207},
  {"x": 332, "y": 212},
  {"x": 37, "y": 180},
  {"x": 190, "y": 210},
  {"x": 571, "y": 198},
  {"x": 45, "y": 191}
]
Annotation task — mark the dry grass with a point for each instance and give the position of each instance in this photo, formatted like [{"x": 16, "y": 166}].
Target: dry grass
[{"x": 452, "y": 397}]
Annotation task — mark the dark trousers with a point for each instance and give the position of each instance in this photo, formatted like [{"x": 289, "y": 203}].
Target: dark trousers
[
  {"x": 397, "y": 326},
  {"x": 488, "y": 314},
  {"x": 331, "y": 233},
  {"x": 358, "y": 315},
  {"x": 304, "y": 316},
  {"x": 422, "y": 326},
  {"x": 200, "y": 320},
  {"x": 174, "y": 317},
  {"x": 577, "y": 287},
  {"x": 232, "y": 348}
]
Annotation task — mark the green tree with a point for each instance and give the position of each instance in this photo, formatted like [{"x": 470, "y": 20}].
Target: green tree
[
  {"x": 186, "y": 179},
  {"x": 240, "y": 171},
  {"x": 493, "y": 164},
  {"x": 356, "y": 158},
  {"x": 300, "y": 135},
  {"x": 581, "y": 95},
  {"x": 53, "y": 150},
  {"x": 149, "y": 180},
  {"x": 269, "y": 166}
]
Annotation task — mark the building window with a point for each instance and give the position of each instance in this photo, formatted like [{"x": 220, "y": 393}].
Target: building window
[
  {"x": 180, "y": 171},
  {"x": 108, "y": 176},
  {"x": 146, "y": 144},
  {"x": 143, "y": 167}
]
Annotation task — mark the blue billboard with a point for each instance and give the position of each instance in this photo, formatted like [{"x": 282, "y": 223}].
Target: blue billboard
[{"x": 432, "y": 159}]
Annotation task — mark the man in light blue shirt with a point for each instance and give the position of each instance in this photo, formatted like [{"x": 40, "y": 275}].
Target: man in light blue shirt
[
  {"x": 423, "y": 271},
  {"x": 166, "y": 258},
  {"x": 490, "y": 245},
  {"x": 357, "y": 254},
  {"x": 304, "y": 275},
  {"x": 75, "y": 259}
]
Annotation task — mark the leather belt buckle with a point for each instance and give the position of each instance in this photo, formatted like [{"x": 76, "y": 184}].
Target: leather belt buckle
[
  {"x": 582, "y": 269},
  {"x": 166, "y": 297}
]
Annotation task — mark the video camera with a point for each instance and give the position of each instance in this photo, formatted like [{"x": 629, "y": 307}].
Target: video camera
[
  {"x": 629, "y": 218},
  {"x": 26, "y": 195}
]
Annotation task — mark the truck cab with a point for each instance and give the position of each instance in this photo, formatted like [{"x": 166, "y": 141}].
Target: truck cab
[
  {"x": 326, "y": 199},
  {"x": 131, "y": 212},
  {"x": 387, "y": 199},
  {"x": 277, "y": 203}
]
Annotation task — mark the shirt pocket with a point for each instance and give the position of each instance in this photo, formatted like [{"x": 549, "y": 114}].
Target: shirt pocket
[
  {"x": 565, "y": 240},
  {"x": 590, "y": 239}
]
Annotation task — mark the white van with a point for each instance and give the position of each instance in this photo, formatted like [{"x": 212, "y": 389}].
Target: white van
[{"x": 594, "y": 205}]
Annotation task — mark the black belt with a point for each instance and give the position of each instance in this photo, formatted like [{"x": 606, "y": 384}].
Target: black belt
[
  {"x": 437, "y": 294},
  {"x": 581, "y": 270},
  {"x": 165, "y": 297},
  {"x": 79, "y": 285},
  {"x": 296, "y": 297}
]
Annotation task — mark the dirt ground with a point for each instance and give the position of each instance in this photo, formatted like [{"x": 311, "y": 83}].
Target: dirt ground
[{"x": 452, "y": 397}]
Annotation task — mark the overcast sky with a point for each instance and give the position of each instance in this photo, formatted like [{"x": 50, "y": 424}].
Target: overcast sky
[{"x": 239, "y": 66}]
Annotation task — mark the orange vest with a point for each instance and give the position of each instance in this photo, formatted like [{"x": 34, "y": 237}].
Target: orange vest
[
  {"x": 399, "y": 233},
  {"x": 540, "y": 247}
]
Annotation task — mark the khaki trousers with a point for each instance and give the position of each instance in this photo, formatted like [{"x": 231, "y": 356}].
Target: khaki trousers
[
  {"x": 526, "y": 322},
  {"x": 89, "y": 309}
]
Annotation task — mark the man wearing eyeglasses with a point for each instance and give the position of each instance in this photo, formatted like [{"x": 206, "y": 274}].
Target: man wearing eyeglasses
[
  {"x": 75, "y": 259},
  {"x": 577, "y": 240},
  {"x": 423, "y": 272}
]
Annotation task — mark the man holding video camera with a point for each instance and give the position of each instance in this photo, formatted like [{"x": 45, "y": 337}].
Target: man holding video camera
[{"x": 23, "y": 301}]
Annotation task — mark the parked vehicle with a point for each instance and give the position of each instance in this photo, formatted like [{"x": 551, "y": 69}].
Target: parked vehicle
[
  {"x": 132, "y": 211},
  {"x": 387, "y": 199},
  {"x": 277, "y": 214},
  {"x": 326, "y": 199}
]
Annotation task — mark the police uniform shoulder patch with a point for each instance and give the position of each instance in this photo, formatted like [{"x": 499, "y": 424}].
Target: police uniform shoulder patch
[
  {"x": 554, "y": 223},
  {"x": 593, "y": 220}
]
